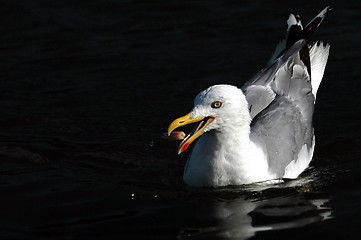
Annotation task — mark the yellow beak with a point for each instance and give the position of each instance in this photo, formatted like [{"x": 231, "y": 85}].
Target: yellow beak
[{"x": 194, "y": 134}]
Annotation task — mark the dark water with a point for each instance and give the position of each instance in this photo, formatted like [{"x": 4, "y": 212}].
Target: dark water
[{"x": 88, "y": 86}]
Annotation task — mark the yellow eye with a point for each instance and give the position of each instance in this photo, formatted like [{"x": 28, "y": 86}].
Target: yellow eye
[{"x": 216, "y": 104}]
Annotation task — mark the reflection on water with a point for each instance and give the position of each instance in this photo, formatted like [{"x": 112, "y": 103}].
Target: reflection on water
[{"x": 242, "y": 218}]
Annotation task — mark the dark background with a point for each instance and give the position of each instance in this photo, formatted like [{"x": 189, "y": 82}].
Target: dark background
[{"x": 87, "y": 88}]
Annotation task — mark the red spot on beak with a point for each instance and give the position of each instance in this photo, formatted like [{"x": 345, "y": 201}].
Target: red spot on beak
[{"x": 184, "y": 147}]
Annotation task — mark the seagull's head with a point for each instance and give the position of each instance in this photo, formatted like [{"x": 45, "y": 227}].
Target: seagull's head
[{"x": 216, "y": 108}]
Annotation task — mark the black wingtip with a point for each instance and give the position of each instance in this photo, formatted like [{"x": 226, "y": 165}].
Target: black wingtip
[{"x": 296, "y": 33}]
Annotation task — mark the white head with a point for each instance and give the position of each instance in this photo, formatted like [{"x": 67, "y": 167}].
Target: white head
[{"x": 218, "y": 107}]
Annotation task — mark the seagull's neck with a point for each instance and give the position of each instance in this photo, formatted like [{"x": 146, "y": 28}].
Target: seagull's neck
[{"x": 226, "y": 157}]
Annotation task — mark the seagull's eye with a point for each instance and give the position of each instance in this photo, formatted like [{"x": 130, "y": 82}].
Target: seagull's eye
[{"x": 216, "y": 104}]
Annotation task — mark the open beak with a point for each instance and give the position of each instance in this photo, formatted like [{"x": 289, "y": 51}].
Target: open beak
[{"x": 195, "y": 133}]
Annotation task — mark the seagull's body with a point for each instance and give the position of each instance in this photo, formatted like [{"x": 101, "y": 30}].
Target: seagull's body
[{"x": 262, "y": 131}]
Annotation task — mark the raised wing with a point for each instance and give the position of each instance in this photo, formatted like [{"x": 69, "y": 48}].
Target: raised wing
[
  {"x": 285, "y": 126},
  {"x": 296, "y": 38}
]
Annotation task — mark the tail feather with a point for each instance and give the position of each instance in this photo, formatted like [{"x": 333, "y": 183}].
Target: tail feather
[
  {"x": 295, "y": 44},
  {"x": 319, "y": 55},
  {"x": 313, "y": 58}
]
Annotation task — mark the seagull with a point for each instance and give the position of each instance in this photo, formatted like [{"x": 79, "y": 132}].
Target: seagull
[{"x": 262, "y": 131}]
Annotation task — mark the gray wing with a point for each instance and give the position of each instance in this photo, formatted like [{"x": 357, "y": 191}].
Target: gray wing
[
  {"x": 266, "y": 75},
  {"x": 285, "y": 126},
  {"x": 259, "y": 90},
  {"x": 258, "y": 97}
]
